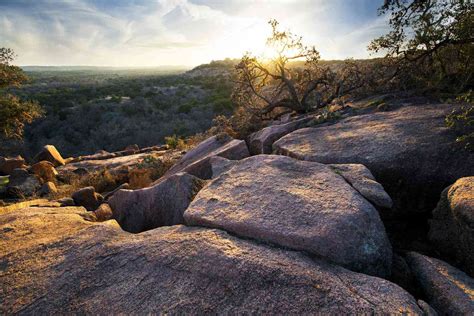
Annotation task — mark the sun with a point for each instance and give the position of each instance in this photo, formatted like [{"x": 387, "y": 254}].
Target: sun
[{"x": 245, "y": 38}]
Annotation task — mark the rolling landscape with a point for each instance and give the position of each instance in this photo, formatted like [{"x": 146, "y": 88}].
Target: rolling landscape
[{"x": 301, "y": 157}]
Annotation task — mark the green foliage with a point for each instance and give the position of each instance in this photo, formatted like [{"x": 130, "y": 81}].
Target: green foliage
[
  {"x": 3, "y": 181},
  {"x": 430, "y": 43},
  {"x": 14, "y": 113},
  {"x": 175, "y": 142},
  {"x": 462, "y": 120}
]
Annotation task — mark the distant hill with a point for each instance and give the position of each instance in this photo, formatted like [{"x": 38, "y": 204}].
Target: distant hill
[{"x": 158, "y": 69}]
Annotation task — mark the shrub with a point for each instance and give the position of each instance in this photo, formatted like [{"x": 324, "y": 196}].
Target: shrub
[
  {"x": 175, "y": 142},
  {"x": 462, "y": 120}
]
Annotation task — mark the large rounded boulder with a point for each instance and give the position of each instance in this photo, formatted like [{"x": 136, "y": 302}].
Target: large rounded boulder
[
  {"x": 410, "y": 151},
  {"x": 296, "y": 204},
  {"x": 452, "y": 225}
]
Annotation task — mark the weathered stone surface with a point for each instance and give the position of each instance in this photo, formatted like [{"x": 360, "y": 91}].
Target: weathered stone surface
[
  {"x": 364, "y": 182},
  {"x": 197, "y": 160},
  {"x": 160, "y": 205},
  {"x": 426, "y": 308},
  {"x": 261, "y": 142},
  {"x": 452, "y": 226},
  {"x": 55, "y": 262},
  {"x": 297, "y": 204},
  {"x": 47, "y": 188},
  {"x": 25, "y": 204},
  {"x": 7, "y": 165},
  {"x": 44, "y": 171},
  {"x": 220, "y": 165},
  {"x": 449, "y": 290},
  {"x": 66, "y": 202},
  {"x": 88, "y": 198},
  {"x": 51, "y": 154},
  {"x": 410, "y": 151},
  {"x": 103, "y": 212},
  {"x": 21, "y": 183},
  {"x": 123, "y": 186},
  {"x": 132, "y": 148},
  {"x": 111, "y": 164}
]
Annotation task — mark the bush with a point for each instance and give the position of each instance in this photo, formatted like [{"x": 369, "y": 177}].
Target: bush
[
  {"x": 175, "y": 142},
  {"x": 462, "y": 120}
]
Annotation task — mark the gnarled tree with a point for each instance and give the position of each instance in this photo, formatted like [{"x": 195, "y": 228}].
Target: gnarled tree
[{"x": 292, "y": 79}]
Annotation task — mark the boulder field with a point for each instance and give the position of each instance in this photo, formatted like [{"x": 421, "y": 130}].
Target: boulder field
[{"x": 304, "y": 230}]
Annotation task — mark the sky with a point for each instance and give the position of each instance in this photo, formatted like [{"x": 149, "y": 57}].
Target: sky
[{"x": 148, "y": 33}]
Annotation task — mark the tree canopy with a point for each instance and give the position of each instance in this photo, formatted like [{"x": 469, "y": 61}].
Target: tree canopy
[
  {"x": 14, "y": 113},
  {"x": 435, "y": 36},
  {"x": 291, "y": 78}
]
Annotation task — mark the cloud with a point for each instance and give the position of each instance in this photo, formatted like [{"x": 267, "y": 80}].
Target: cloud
[{"x": 157, "y": 32}]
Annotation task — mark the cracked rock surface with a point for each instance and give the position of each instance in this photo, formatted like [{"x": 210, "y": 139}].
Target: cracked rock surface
[
  {"x": 54, "y": 261},
  {"x": 296, "y": 204}
]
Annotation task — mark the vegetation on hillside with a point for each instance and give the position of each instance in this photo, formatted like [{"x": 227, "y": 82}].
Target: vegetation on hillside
[{"x": 14, "y": 112}]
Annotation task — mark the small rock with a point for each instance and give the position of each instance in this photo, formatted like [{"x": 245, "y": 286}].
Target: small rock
[
  {"x": 51, "y": 154},
  {"x": 47, "y": 189},
  {"x": 103, "y": 212},
  {"x": 66, "y": 202},
  {"x": 7, "y": 165},
  {"x": 44, "y": 171},
  {"x": 88, "y": 198},
  {"x": 449, "y": 290},
  {"x": 132, "y": 148},
  {"x": 22, "y": 184}
]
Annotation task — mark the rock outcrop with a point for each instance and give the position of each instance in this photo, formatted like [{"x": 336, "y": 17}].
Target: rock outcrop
[
  {"x": 103, "y": 212},
  {"x": 51, "y": 154},
  {"x": 44, "y": 171},
  {"x": 22, "y": 184},
  {"x": 364, "y": 182},
  {"x": 261, "y": 142},
  {"x": 160, "y": 205},
  {"x": 110, "y": 163},
  {"x": 197, "y": 160},
  {"x": 296, "y": 204},
  {"x": 449, "y": 291},
  {"x": 55, "y": 262},
  {"x": 452, "y": 226},
  {"x": 220, "y": 165},
  {"x": 88, "y": 198},
  {"x": 47, "y": 188},
  {"x": 410, "y": 151},
  {"x": 7, "y": 165}
]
